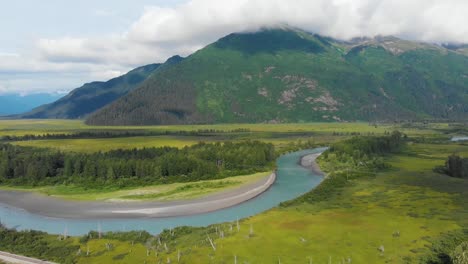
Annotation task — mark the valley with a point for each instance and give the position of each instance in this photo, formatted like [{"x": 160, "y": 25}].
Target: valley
[
  {"x": 370, "y": 207},
  {"x": 322, "y": 134}
]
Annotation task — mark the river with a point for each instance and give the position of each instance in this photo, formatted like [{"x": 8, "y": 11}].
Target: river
[{"x": 292, "y": 181}]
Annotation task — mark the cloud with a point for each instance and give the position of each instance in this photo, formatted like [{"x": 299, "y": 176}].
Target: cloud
[
  {"x": 161, "y": 32},
  {"x": 8, "y": 54},
  {"x": 106, "y": 75},
  {"x": 426, "y": 20},
  {"x": 164, "y": 31}
]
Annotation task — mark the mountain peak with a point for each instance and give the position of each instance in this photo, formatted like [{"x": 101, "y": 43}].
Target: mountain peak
[
  {"x": 174, "y": 59},
  {"x": 271, "y": 40}
]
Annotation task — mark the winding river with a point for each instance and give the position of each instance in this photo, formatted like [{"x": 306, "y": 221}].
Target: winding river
[{"x": 292, "y": 180}]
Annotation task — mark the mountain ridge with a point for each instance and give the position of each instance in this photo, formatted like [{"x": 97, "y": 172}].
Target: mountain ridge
[{"x": 279, "y": 75}]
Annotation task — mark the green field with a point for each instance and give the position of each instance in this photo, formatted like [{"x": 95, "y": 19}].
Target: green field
[
  {"x": 402, "y": 209},
  {"x": 281, "y": 135},
  {"x": 43, "y": 126},
  {"x": 393, "y": 217},
  {"x": 106, "y": 144}
]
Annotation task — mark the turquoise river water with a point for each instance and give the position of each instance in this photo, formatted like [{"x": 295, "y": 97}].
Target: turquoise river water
[{"x": 292, "y": 181}]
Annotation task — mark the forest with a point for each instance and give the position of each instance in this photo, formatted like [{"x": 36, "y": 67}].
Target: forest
[
  {"x": 350, "y": 159},
  {"x": 455, "y": 166},
  {"x": 359, "y": 149},
  {"x": 26, "y": 166}
]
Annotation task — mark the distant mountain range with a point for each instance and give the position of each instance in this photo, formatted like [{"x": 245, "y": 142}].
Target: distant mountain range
[
  {"x": 283, "y": 75},
  {"x": 92, "y": 96},
  {"x": 14, "y": 103}
]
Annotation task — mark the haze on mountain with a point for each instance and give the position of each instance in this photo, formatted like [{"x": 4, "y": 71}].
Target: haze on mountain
[
  {"x": 84, "y": 100},
  {"x": 14, "y": 103}
]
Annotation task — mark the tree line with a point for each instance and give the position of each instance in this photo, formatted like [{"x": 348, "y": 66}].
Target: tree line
[
  {"x": 365, "y": 148},
  {"x": 350, "y": 159},
  {"x": 118, "y": 134},
  {"x": 36, "y": 167},
  {"x": 455, "y": 166}
]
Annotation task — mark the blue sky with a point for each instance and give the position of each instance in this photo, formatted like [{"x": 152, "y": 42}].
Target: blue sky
[
  {"x": 24, "y": 21},
  {"x": 57, "y": 45}
]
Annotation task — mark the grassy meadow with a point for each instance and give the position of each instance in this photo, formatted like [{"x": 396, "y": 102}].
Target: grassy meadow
[
  {"x": 44, "y": 126},
  {"x": 395, "y": 216},
  {"x": 281, "y": 135},
  {"x": 106, "y": 144}
]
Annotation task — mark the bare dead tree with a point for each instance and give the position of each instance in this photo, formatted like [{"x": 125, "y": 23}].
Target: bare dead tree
[
  {"x": 211, "y": 243},
  {"x": 238, "y": 227},
  {"x": 65, "y": 233},
  {"x": 381, "y": 249},
  {"x": 148, "y": 246},
  {"x": 99, "y": 230},
  {"x": 110, "y": 246},
  {"x": 178, "y": 256},
  {"x": 251, "y": 231},
  {"x": 235, "y": 259}
]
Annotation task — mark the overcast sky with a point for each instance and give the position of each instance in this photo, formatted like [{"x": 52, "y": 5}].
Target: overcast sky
[{"x": 57, "y": 45}]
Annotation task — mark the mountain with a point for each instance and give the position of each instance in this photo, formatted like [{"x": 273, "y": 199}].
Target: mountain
[
  {"x": 14, "y": 103},
  {"x": 92, "y": 96},
  {"x": 461, "y": 48},
  {"x": 285, "y": 75}
]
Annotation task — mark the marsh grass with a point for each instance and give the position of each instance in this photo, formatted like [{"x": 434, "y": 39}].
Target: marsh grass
[{"x": 404, "y": 209}]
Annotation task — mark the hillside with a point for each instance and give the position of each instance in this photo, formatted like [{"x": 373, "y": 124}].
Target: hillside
[
  {"x": 285, "y": 75},
  {"x": 15, "y": 103},
  {"x": 88, "y": 98}
]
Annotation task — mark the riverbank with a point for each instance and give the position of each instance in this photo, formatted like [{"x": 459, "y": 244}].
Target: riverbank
[
  {"x": 309, "y": 162},
  {"x": 292, "y": 180},
  {"x": 18, "y": 259},
  {"x": 59, "y": 208},
  {"x": 160, "y": 193}
]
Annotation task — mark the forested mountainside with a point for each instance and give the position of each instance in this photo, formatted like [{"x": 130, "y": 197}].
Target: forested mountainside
[
  {"x": 285, "y": 75},
  {"x": 92, "y": 96}
]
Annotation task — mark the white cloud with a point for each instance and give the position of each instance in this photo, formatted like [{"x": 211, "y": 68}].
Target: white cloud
[
  {"x": 164, "y": 31},
  {"x": 428, "y": 20},
  {"x": 106, "y": 75},
  {"x": 161, "y": 32}
]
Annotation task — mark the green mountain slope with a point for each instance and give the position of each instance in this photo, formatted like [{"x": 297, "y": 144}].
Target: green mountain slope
[
  {"x": 285, "y": 75},
  {"x": 84, "y": 100}
]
